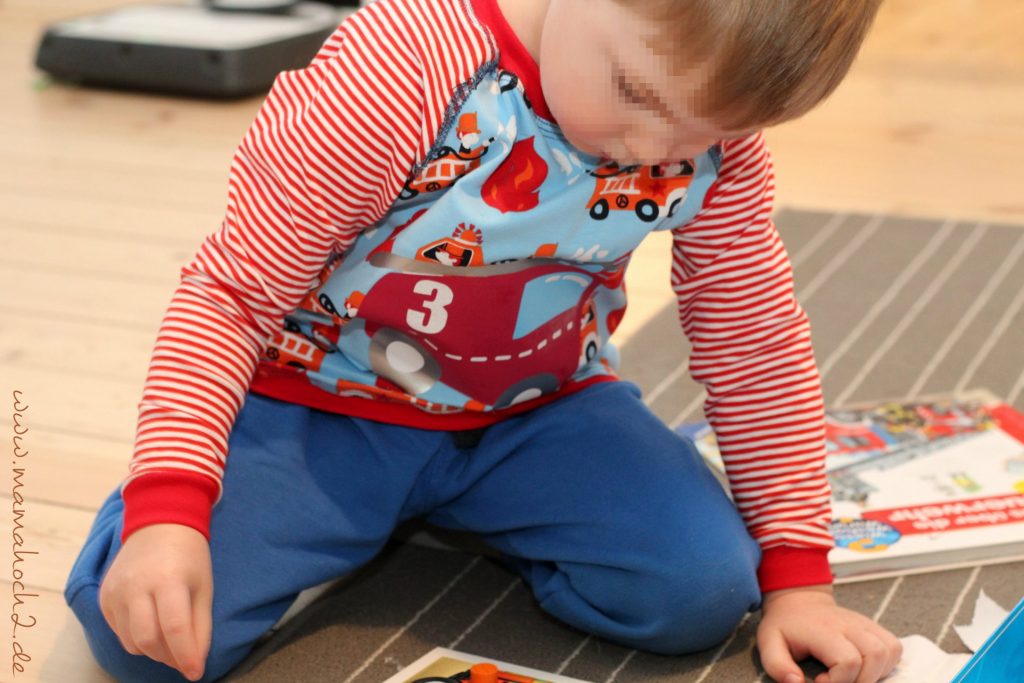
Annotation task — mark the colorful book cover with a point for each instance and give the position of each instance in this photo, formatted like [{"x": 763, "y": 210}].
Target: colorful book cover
[
  {"x": 918, "y": 483},
  {"x": 442, "y": 665}
]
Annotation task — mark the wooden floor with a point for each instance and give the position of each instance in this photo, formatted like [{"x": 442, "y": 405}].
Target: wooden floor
[{"x": 106, "y": 195}]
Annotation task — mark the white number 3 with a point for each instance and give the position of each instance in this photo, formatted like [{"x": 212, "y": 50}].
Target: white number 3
[{"x": 436, "y": 317}]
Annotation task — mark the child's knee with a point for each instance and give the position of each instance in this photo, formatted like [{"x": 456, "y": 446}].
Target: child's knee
[
  {"x": 682, "y": 612},
  {"x": 678, "y": 601},
  {"x": 701, "y": 596},
  {"x": 702, "y": 613}
]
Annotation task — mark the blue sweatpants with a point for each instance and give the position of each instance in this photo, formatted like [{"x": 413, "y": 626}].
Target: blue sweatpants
[{"x": 612, "y": 519}]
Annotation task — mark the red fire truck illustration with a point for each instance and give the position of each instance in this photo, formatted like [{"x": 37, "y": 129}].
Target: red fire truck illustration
[
  {"x": 844, "y": 438},
  {"x": 451, "y": 164},
  {"x": 288, "y": 348},
  {"x": 649, "y": 191},
  {"x": 501, "y": 340}
]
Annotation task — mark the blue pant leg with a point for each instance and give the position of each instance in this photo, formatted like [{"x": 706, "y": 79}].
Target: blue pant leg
[
  {"x": 308, "y": 496},
  {"x": 616, "y": 523}
]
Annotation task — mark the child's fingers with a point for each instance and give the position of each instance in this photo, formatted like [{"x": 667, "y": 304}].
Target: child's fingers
[
  {"x": 202, "y": 618},
  {"x": 776, "y": 658},
  {"x": 145, "y": 630},
  {"x": 116, "y": 615},
  {"x": 174, "y": 607},
  {"x": 874, "y": 652},
  {"x": 843, "y": 659},
  {"x": 895, "y": 649},
  {"x": 119, "y": 625}
]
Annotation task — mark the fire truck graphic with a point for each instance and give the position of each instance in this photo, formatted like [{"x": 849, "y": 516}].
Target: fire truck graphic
[
  {"x": 449, "y": 164},
  {"x": 844, "y": 438},
  {"x": 649, "y": 191},
  {"x": 511, "y": 337},
  {"x": 290, "y": 348}
]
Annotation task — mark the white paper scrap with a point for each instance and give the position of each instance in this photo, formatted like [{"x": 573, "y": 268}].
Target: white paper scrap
[
  {"x": 924, "y": 662},
  {"x": 987, "y": 617}
]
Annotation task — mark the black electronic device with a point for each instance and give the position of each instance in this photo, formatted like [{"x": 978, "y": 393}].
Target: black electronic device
[
  {"x": 199, "y": 48},
  {"x": 272, "y": 6}
]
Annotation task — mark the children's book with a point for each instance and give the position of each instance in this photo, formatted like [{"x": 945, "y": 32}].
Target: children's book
[
  {"x": 442, "y": 665},
  {"x": 918, "y": 484}
]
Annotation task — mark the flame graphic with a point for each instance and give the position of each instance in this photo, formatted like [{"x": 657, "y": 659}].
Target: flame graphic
[{"x": 513, "y": 185}]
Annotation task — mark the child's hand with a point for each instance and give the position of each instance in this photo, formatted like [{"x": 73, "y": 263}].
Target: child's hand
[
  {"x": 157, "y": 596},
  {"x": 798, "y": 622}
]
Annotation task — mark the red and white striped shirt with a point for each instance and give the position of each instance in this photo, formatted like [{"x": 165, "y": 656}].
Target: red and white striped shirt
[{"x": 364, "y": 116}]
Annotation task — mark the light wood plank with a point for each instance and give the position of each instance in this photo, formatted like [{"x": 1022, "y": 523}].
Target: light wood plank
[
  {"x": 142, "y": 222},
  {"x": 906, "y": 155},
  {"x": 93, "y": 256},
  {"x": 74, "y": 347},
  {"x": 135, "y": 305}
]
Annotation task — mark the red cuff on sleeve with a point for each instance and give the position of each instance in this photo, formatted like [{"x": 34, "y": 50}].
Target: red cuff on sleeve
[
  {"x": 789, "y": 567},
  {"x": 168, "y": 497}
]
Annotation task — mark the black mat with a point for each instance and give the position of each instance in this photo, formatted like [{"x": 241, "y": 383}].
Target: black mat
[{"x": 898, "y": 307}]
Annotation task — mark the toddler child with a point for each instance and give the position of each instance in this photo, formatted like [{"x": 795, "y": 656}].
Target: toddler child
[{"x": 406, "y": 313}]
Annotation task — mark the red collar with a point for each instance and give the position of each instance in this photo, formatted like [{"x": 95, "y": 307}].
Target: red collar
[{"x": 513, "y": 55}]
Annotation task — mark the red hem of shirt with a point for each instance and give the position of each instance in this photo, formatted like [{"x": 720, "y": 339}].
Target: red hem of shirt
[
  {"x": 285, "y": 384},
  {"x": 791, "y": 567},
  {"x": 513, "y": 55}
]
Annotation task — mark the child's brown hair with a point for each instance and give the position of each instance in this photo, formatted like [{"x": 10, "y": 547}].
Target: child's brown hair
[{"x": 772, "y": 60}]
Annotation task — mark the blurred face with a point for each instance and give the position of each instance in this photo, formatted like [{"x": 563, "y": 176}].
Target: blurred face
[{"x": 612, "y": 95}]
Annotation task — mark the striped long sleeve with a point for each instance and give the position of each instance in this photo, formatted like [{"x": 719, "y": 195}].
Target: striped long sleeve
[
  {"x": 325, "y": 157},
  {"x": 752, "y": 352}
]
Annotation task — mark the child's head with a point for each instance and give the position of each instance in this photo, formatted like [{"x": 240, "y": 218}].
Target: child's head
[{"x": 645, "y": 81}]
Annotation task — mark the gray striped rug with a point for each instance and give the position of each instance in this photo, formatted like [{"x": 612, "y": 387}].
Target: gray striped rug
[{"x": 898, "y": 307}]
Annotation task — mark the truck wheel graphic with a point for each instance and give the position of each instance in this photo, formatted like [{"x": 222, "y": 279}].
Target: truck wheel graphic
[
  {"x": 328, "y": 305},
  {"x": 647, "y": 210},
  {"x": 400, "y": 358},
  {"x": 292, "y": 326},
  {"x": 407, "y": 193},
  {"x": 599, "y": 210},
  {"x": 675, "y": 205},
  {"x": 527, "y": 389}
]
